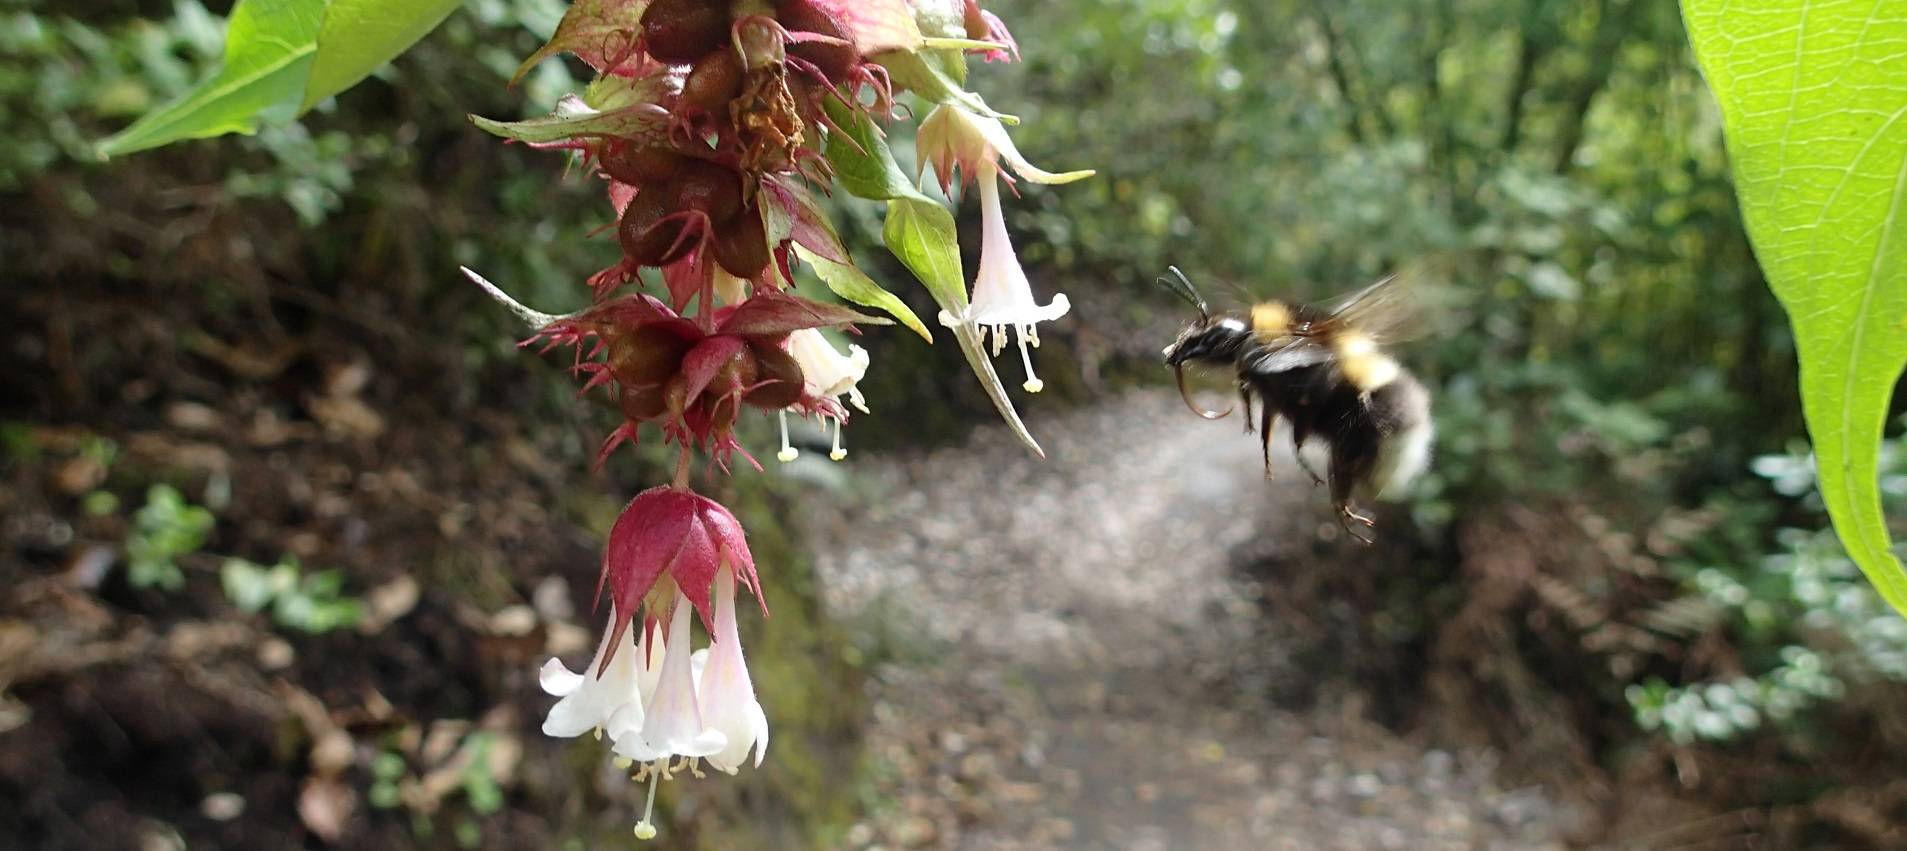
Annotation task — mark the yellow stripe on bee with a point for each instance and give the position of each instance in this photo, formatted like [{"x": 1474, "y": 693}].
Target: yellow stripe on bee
[
  {"x": 1270, "y": 319},
  {"x": 1362, "y": 364}
]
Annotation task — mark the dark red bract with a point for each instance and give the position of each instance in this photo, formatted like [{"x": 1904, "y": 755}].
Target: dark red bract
[{"x": 679, "y": 534}]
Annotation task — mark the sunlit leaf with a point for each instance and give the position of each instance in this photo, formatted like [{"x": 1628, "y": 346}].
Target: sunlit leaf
[
  {"x": 921, "y": 73},
  {"x": 1814, "y": 103},
  {"x": 849, "y": 282},
  {"x": 358, "y": 36},
  {"x": 268, "y": 52},
  {"x": 863, "y": 165}
]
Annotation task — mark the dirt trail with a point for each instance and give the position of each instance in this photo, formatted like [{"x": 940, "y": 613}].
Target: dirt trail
[{"x": 1077, "y": 655}]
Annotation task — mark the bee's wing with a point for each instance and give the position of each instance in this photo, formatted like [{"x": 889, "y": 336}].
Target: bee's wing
[
  {"x": 1289, "y": 354},
  {"x": 1389, "y": 311}
]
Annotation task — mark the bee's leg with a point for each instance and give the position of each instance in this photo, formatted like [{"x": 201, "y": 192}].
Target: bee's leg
[
  {"x": 1346, "y": 514},
  {"x": 1347, "y": 467},
  {"x": 1268, "y": 419},
  {"x": 1244, "y": 396},
  {"x": 1300, "y": 434}
]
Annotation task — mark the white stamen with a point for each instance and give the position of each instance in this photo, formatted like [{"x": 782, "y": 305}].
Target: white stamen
[
  {"x": 1033, "y": 383},
  {"x": 788, "y": 453},
  {"x": 837, "y": 453},
  {"x": 646, "y": 829}
]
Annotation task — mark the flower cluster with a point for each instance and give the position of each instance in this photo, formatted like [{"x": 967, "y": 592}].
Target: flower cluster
[
  {"x": 715, "y": 125},
  {"x": 664, "y": 708}
]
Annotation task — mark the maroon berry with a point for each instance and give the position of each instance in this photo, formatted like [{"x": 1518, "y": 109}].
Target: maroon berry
[
  {"x": 741, "y": 245},
  {"x": 834, "y": 60},
  {"x": 680, "y": 31},
  {"x": 713, "y": 81},
  {"x": 779, "y": 376},
  {"x": 640, "y": 166},
  {"x": 646, "y": 356},
  {"x": 646, "y": 239},
  {"x": 642, "y": 403},
  {"x": 734, "y": 375},
  {"x": 713, "y": 189}
]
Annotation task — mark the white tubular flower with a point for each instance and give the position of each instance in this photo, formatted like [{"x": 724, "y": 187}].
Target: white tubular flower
[
  {"x": 598, "y": 697},
  {"x": 672, "y": 723},
  {"x": 726, "y": 689},
  {"x": 1002, "y": 297},
  {"x": 955, "y": 140},
  {"x": 825, "y": 372}
]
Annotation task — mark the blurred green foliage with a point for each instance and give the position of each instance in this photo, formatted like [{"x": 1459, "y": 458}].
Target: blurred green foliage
[
  {"x": 1806, "y": 623},
  {"x": 309, "y": 602},
  {"x": 164, "y": 529}
]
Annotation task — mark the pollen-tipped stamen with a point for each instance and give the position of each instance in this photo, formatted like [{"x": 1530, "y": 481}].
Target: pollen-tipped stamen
[
  {"x": 1029, "y": 338},
  {"x": 788, "y": 451},
  {"x": 837, "y": 453},
  {"x": 646, "y": 828}
]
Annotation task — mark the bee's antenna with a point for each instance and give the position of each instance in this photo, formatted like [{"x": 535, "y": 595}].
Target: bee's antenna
[{"x": 1182, "y": 287}]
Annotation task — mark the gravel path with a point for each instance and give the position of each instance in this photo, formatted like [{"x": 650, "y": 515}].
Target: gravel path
[{"x": 1074, "y": 650}]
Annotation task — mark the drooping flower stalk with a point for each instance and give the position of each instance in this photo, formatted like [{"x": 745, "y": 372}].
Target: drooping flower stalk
[{"x": 715, "y": 126}]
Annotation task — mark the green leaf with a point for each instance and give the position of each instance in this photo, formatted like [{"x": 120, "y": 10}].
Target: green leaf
[
  {"x": 921, "y": 233},
  {"x": 246, "y": 584},
  {"x": 614, "y": 91},
  {"x": 863, "y": 165},
  {"x": 849, "y": 282},
  {"x": 914, "y": 72},
  {"x": 358, "y": 36},
  {"x": 1814, "y": 104},
  {"x": 268, "y": 50}
]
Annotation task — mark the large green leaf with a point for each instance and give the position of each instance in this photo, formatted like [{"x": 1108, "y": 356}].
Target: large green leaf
[
  {"x": 1814, "y": 103},
  {"x": 359, "y": 35},
  {"x": 268, "y": 52}
]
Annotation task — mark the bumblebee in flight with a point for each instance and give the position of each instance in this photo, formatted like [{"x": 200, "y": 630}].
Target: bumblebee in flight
[{"x": 1320, "y": 367}]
